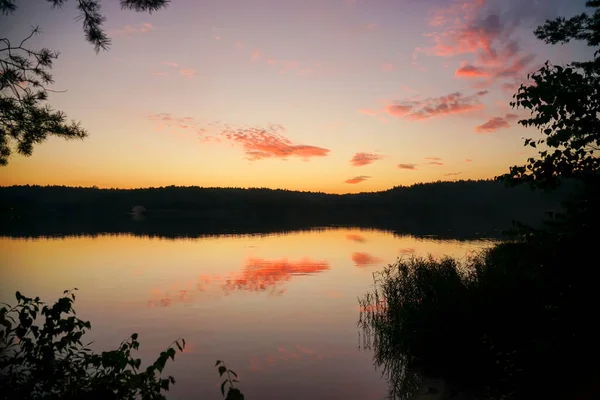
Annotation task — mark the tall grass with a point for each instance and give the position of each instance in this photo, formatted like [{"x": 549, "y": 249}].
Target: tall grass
[{"x": 510, "y": 322}]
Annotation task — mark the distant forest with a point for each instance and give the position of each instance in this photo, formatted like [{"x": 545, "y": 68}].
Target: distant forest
[{"x": 457, "y": 208}]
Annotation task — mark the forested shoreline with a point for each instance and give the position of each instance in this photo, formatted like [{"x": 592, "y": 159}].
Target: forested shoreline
[{"x": 462, "y": 209}]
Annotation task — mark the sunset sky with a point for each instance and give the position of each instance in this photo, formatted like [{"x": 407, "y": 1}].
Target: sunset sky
[{"x": 322, "y": 95}]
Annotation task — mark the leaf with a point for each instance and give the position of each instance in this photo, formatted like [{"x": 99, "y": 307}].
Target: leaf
[
  {"x": 223, "y": 388},
  {"x": 222, "y": 370},
  {"x": 233, "y": 373},
  {"x": 218, "y": 362}
]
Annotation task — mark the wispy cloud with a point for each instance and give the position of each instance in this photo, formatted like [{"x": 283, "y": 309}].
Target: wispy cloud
[
  {"x": 262, "y": 143},
  {"x": 453, "y": 103},
  {"x": 470, "y": 71},
  {"x": 133, "y": 29},
  {"x": 170, "y": 64},
  {"x": 255, "y": 55},
  {"x": 453, "y": 174},
  {"x": 466, "y": 27},
  {"x": 468, "y": 160},
  {"x": 493, "y": 124},
  {"x": 387, "y": 67},
  {"x": 361, "y": 159},
  {"x": 357, "y": 179},
  {"x": 188, "y": 72},
  {"x": 435, "y": 163},
  {"x": 408, "y": 166},
  {"x": 433, "y": 158}
]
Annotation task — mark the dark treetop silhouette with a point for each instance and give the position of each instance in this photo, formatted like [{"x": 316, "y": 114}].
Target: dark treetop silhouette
[
  {"x": 25, "y": 118},
  {"x": 458, "y": 209}
]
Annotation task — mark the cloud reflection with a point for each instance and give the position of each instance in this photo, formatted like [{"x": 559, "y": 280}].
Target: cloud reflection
[
  {"x": 260, "y": 274},
  {"x": 365, "y": 259}
]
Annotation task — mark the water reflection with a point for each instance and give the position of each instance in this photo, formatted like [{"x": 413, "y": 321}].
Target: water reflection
[
  {"x": 257, "y": 275},
  {"x": 356, "y": 237},
  {"x": 260, "y": 274},
  {"x": 281, "y": 309},
  {"x": 362, "y": 259}
]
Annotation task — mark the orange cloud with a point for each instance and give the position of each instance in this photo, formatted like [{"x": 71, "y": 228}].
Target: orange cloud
[
  {"x": 361, "y": 159},
  {"x": 433, "y": 158},
  {"x": 357, "y": 179},
  {"x": 493, "y": 124},
  {"x": 452, "y": 103},
  {"x": 453, "y": 174},
  {"x": 407, "y": 166},
  {"x": 471, "y": 71},
  {"x": 407, "y": 250},
  {"x": 435, "y": 163},
  {"x": 355, "y": 238},
  {"x": 261, "y": 143},
  {"x": 260, "y": 274},
  {"x": 468, "y": 160},
  {"x": 364, "y": 259}
]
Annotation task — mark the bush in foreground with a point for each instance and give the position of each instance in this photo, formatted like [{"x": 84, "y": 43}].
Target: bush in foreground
[{"x": 48, "y": 360}]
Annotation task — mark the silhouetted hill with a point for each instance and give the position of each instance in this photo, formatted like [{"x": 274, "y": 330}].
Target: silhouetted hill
[{"x": 470, "y": 207}]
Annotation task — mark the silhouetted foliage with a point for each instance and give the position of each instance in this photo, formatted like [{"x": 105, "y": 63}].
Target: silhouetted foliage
[
  {"x": 48, "y": 360},
  {"x": 233, "y": 393},
  {"x": 25, "y": 119},
  {"x": 565, "y": 107},
  {"x": 463, "y": 209},
  {"x": 513, "y": 322}
]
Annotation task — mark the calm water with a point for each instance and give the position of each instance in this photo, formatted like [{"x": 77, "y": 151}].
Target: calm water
[{"x": 280, "y": 309}]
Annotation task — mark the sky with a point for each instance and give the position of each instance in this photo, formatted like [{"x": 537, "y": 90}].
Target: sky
[{"x": 336, "y": 96}]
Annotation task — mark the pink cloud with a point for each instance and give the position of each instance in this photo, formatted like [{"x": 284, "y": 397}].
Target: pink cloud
[
  {"x": 398, "y": 110},
  {"x": 463, "y": 28},
  {"x": 170, "y": 64},
  {"x": 387, "y": 67},
  {"x": 453, "y": 103},
  {"x": 361, "y": 159},
  {"x": 261, "y": 143},
  {"x": 357, "y": 179},
  {"x": 188, "y": 72},
  {"x": 255, "y": 55},
  {"x": 411, "y": 167},
  {"x": 471, "y": 71},
  {"x": 493, "y": 124}
]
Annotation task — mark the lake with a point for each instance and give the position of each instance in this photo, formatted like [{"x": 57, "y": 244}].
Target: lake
[{"x": 280, "y": 309}]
